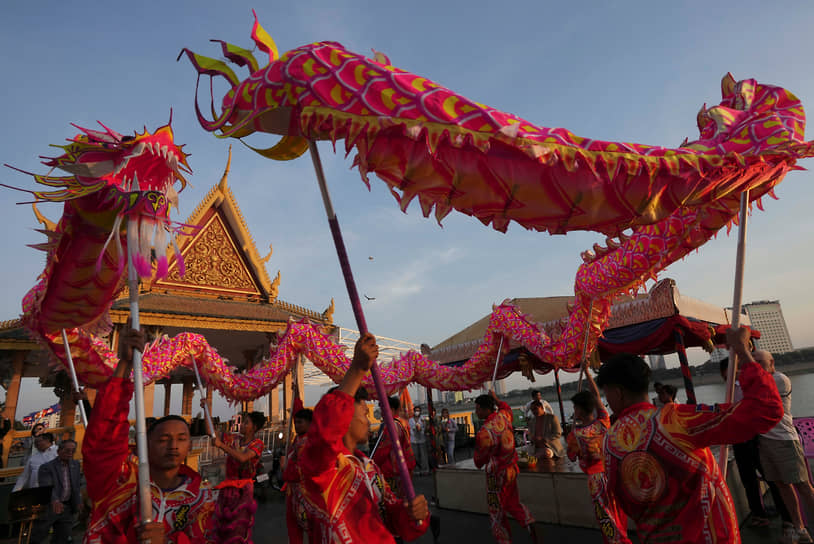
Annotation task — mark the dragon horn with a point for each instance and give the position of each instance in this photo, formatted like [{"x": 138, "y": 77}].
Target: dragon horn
[
  {"x": 209, "y": 66},
  {"x": 288, "y": 148},
  {"x": 263, "y": 40},
  {"x": 238, "y": 55}
]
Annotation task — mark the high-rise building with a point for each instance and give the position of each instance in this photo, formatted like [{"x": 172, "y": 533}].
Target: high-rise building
[
  {"x": 657, "y": 362},
  {"x": 767, "y": 317},
  {"x": 500, "y": 387}
]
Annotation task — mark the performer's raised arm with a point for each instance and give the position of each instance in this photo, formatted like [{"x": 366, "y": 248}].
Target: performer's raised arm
[
  {"x": 105, "y": 446},
  {"x": 758, "y": 411},
  {"x": 334, "y": 412}
]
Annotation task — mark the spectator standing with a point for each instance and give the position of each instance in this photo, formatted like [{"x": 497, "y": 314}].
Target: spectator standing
[
  {"x": 44, "y": 451},
  {"x": 64, "y": 475},
  {"x": 418, "y": 442},
  {"x": 747, "y": 459},
  {"x": 782, "y": 458},
  {"x": 450, "y": 430}
]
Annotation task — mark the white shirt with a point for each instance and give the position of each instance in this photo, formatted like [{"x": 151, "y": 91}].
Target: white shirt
[
  {"x": 784, "y": 430},
  {"x": 31, "y": 473}
]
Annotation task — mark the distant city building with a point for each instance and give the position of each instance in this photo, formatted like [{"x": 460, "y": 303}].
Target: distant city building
[
  {"x": 500, "y": 387},
  {"x": 767, "y": 317},
  {"x": 657, "y": 362}
]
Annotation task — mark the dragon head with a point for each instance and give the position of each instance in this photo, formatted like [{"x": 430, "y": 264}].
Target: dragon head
[
  {"x": 113, "y": 177},
  {"x": 241, "y": 116}
]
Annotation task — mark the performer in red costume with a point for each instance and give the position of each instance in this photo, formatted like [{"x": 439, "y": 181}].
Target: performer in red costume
[
  {"x": 344, "y": 492},
  {"x": 658, "y": 462},
  {"x": 591, "y": 424},
  {"x": 385, "y": 456},
  {"x": 494, "y": 447},
  {"x": 184, "y": 509},
  {"x": 295, "y": 516}
]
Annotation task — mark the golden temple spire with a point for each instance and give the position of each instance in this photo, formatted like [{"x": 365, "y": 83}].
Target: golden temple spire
[{"x": 225, "y": 179}]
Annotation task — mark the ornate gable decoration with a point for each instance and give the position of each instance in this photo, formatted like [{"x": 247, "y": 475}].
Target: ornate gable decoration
[
  {"x": 213, "y": 262},
  {"x": 221, "y": 257}
]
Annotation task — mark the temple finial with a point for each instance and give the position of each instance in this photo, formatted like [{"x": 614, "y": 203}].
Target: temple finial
[{"x": 224, "y": 181}]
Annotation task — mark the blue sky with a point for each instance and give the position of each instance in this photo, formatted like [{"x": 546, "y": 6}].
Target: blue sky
[{"x": 633, "y": 71}]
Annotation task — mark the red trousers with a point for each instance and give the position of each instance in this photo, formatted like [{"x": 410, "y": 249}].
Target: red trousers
[{"x": 503, "y": 499}]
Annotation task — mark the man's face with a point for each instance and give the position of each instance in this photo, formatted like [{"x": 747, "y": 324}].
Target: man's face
[
  {"x": 168, "y": 445},
  {"x": 360, "y": 424},
  {"x": 301, "y": 426},
  {"x": 417, "y": 413},
  {"x": 247, "y": 426},
  {"x": 41, "y": 443},
  {"x": 537, "y": 396},
  {"x": 37, "y": 430},
  {"x": 664, "y": 396},
  {"x": 66, "y": 451},
  {"x": 445, "y": 413},
  {"x": 538, "y": 411}
]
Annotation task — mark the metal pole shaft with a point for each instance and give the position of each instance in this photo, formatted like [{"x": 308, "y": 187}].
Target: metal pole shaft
[
  {"x": 208, "y": 416},
  {"x": 361, "y": 324},
  {"x": 72, "y": 370},
  {"x": 732, "y": 371},
  {"x": 144, "y": 493},
  {"x": 376, "y": 446},
  {"x": 585, "y": 345},
  {"x": 497, "y": 362},
  {"x": 294, "y": 390},
  {"x": 559, "y": 394}
]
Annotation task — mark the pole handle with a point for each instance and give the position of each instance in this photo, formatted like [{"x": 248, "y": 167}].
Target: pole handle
[
  {"x": 740, "y": 261},
  {"x": 74, "y": 379},
  {"x": 144, "y": 491}
]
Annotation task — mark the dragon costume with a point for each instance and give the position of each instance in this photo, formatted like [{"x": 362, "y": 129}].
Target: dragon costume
[
  {"x": 449, "y": 152},
  {"x": 655, "y": 204}
]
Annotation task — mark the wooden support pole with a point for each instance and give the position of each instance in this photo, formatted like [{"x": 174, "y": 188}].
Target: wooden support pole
[
  {"x": 167, "y": 398},
  {"x": 186, "y": 399},
  {"x": 274, "y": 405},
  {"x": 67, "y": 410},
  {"x": 149, "y": 399},
  {"x": 12, "y": 396}
]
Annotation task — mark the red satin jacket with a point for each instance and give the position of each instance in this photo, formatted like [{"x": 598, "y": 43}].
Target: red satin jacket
[
  {"x": 664, "y": 476},
  {"x": 345, "y": 494}
]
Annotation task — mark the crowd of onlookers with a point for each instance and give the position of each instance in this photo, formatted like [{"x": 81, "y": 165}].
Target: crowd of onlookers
[{"x": 48, "y": 464}]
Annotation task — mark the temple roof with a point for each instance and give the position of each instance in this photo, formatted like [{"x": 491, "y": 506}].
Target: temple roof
[{"x": 184, "y": 305}]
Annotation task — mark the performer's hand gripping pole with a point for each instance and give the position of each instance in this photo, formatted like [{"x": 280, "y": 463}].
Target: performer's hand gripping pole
[
  {"x": 355, "y": 303},
  {"x": 72, "y": 370},
  {"x": 732, "y": 369},
  {"x": 144, "y": 493},
  {"x": 209, "y": 424}
]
